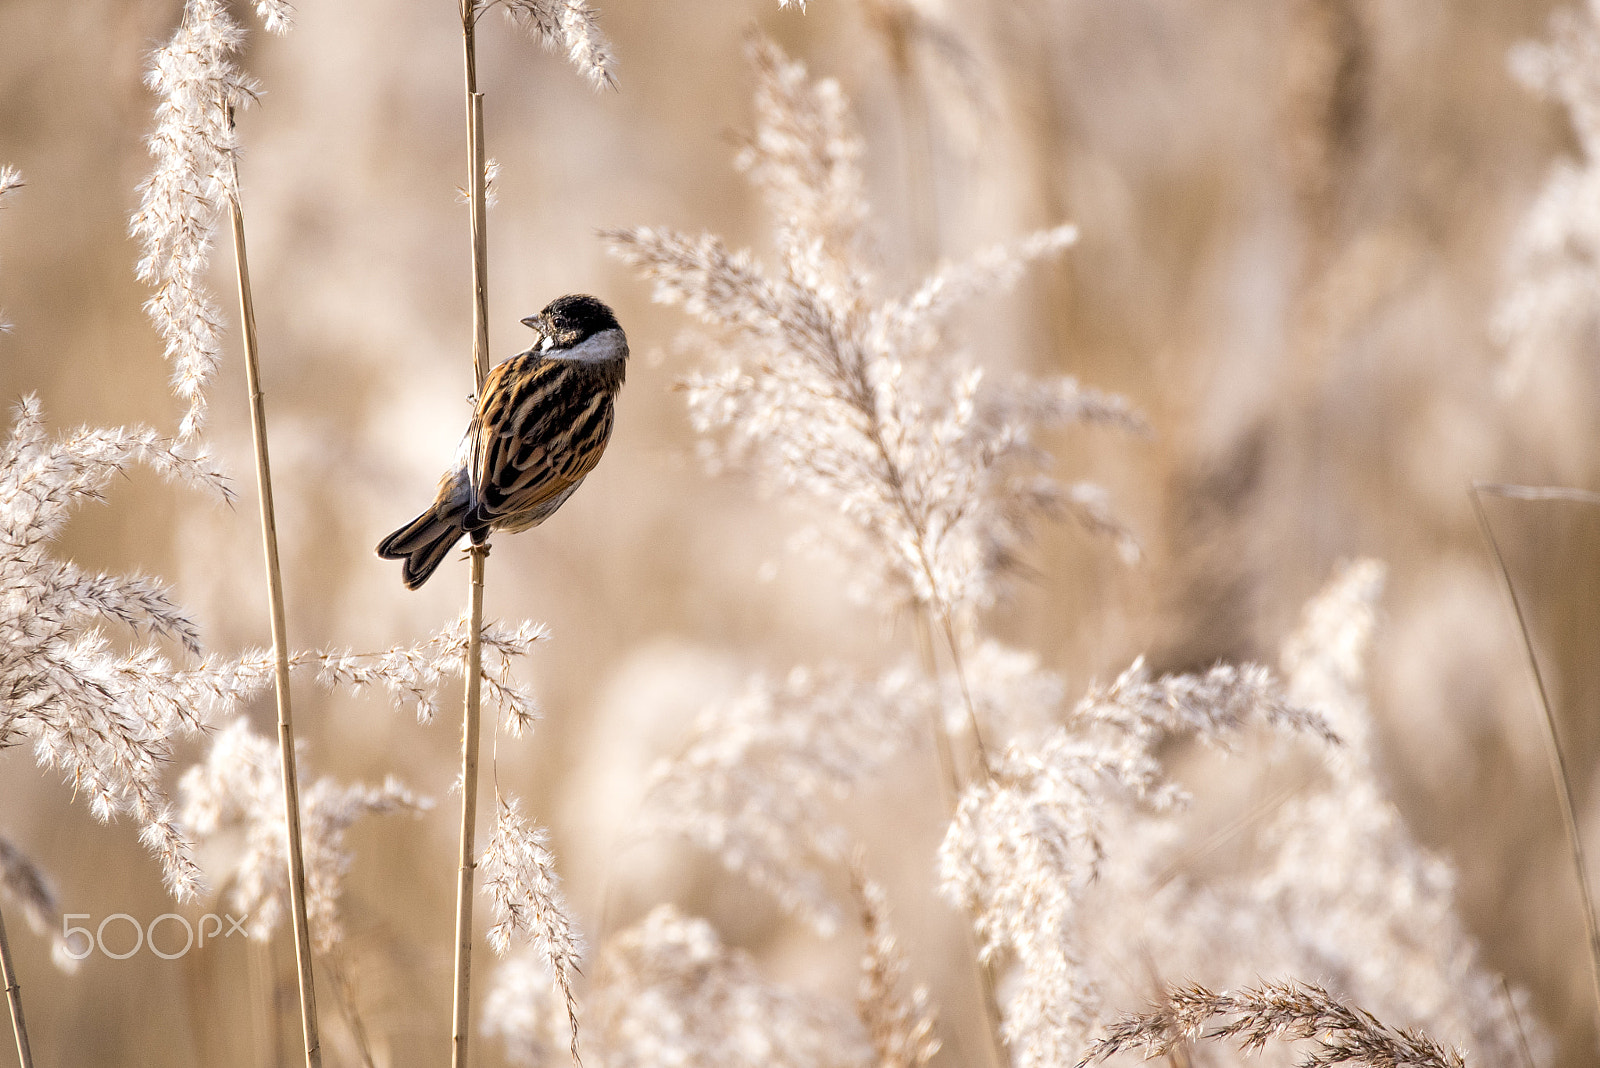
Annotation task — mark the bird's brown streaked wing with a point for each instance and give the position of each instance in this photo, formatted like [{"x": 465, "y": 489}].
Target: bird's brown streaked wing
[{"x": 541, "y": 430}]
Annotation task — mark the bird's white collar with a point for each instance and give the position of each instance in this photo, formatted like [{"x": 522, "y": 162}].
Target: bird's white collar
[{"x": 607, "y": 345}]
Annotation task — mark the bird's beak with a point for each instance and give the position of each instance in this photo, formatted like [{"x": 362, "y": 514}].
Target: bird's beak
[{"x": 532, "y": 322}]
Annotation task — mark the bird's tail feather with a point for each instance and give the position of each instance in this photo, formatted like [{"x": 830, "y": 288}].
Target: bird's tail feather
[{"x": 423, "y": 544}]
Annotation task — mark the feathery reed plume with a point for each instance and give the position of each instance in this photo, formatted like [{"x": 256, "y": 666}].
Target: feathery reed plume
[
  {"x": 1347, "y": 866},
  {"x": 1552, "y": 265},
  {"x": 668, "y": 992},
  {"x": 412, "y": 675},
  {"x": 1327, "y": 881},
  {"x": 520, "y": 1010},
  {"x": 194, "y": 146},
  {"x": 491, "y": 189},
  {"x": 754, "y": 782},
  {"x": 900, "y": 1026},
  {"x": 237, "y": 787},
  {"x": 1026, "y": 844},
  {"x": 1286, "y": 1011},
  {"x": 105, "y": 719},
  {"x": 569, "y": 24},
  {"x": 276, "y": 15},
  {"x": 519, "y": 877},
  {"x": 854, "y": 399}
]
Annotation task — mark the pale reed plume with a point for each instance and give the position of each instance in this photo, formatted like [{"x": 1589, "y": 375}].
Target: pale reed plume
[
  {"x": 1027, "y": 844},
  {"x": 669, "y": 992},
  {"x": 237, "y": 789},
  {"x": 900, "y": 1024},
  {"x": 855, "y": 399},
  {"x": 520, "y": 1009},
  {"x": 568, "y": 24},
  {"x": 105, "y": 718},
  {"x": 757, "y": 781},
  {"x": 1319, "y": 877},
  {"x": 1273, "y": 1011},
  {"x": 194, "y": 148},
  {"x": 526, "y": 903}
]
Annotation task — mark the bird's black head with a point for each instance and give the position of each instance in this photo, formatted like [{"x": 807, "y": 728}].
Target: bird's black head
[{"x": 573, "y": 319}]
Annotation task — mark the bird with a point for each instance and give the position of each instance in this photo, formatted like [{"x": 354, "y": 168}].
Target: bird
[{"x": 539, "y": 426}]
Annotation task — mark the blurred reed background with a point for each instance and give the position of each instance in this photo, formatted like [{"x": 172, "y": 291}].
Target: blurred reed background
[{"x": 1297, "y": 221}]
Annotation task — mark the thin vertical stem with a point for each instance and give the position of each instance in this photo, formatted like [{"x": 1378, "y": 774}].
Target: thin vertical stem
[
  {"x": 480, "y": 247},
  {"x": 280, "y": 643},
  {"x": 950, "y": 790},
  {"x": 959, "y": 665},
  {"x": 344, "y": 996},
  {"x": 1524, "y": 1054},
  {"x": 14, "y": 998},
  {"x": 469, "y": 817},
  {"x": 1558, "y": 761},
  {"x": 470, "y": 728},
  {"x": 264, "y": 1000},
  {"x": 949, "y": 777}
]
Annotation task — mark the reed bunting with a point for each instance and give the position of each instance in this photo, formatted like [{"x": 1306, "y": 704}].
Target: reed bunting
[{"x": 541, "y": 423}]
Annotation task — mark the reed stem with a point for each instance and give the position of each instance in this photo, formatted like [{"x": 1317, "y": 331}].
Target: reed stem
[
  {"x": 280, "y": 644},
  {"x": 1558, "y": 761},
  {"x": 470, "y": 727},
  {"x": 14, "y": 998},
  {"x": 469, "y": 816},
  {"x": 950, "y": 790}
]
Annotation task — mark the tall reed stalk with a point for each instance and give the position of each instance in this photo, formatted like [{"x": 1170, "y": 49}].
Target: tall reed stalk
[
  {"x": 950, "y": 790},
  {"x": 1558, "y": 760},
  {"x": 280, "y": 642},
  {"x": 478, "y": 553},
  {"x": 8, "y": 973}
]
